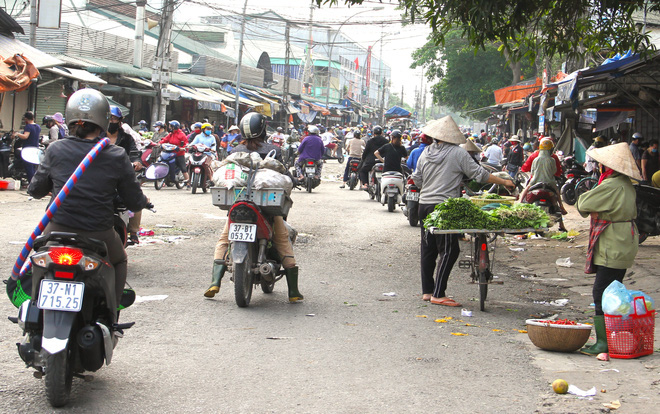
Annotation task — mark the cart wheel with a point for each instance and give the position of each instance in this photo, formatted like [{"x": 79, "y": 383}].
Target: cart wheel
[
  {"x": 482, "y": 266},
  {"x": 483, "y": 289}
]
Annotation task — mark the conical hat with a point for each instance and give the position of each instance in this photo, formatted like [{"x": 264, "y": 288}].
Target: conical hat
[
  {"x": 469, "y": 146},
  {"x": 617, "y": 157},
  {"x": 446, "y": 130}
]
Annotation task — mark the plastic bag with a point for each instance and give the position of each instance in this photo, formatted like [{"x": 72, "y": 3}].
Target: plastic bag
[
  {"x": 617, "y": 300},
  {"x": 230, "y": 175},
  {"x": 641, "y": 306},
  {"x": 266, "y": 178},
  {"x": 215, "y": 164}
]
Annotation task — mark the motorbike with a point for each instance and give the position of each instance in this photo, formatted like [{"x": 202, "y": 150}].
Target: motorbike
[
  {"x": 253, "y": 260},
  {"x": 574, "y": 172},
  {"x": 197, "y": 169},
  {"x": 165, "y": 171},
  {"x": 353, "y": 168},
  {"x": 310, "y": 177},
  {"x": 340, "y": 152},
  {"x": 374, "y": 185},
  {"x": 648, "y": 211},
  {"x": 150, "y": 153},
  {"x": 545, "y": 197},
  {"x": 289, "y": 151},
  {"x": 70, "y": 324},
  {"x": 392, "y": 185},
  {"x": 411, "y": 202}
]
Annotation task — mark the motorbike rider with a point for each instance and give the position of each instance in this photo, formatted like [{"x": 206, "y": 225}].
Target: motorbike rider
[
  {"x": 494, "y": 153},
  {"x": 142, "y": 126},
  {"x": 543, "y": 171},
  {"x": 369, "y": 154},
  {"x": 178, "y": 138},
  {"x": 207, "y": 138},
  {"x": 439, "y": 173},
  {"x": 160, "y": 131},
  {"x": 253, "y": 128},
  {"x": 311, "y": 148},
  {"x": 424, "y": 142},
  {"x": 88, "y": 208},
  {"x": 278, "y": 138},
  {"x": 355, "y": 147},
  {"x": 53, "y": 129},
  {"x": 231, "y": 139},
  {"x": 196, "y": 130},
  {"x": 120, "y": 138},
  {"x": 392, "y": 153}
]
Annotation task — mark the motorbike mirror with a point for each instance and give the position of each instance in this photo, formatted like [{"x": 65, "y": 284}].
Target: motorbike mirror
[{"x": 33, "y": 155}]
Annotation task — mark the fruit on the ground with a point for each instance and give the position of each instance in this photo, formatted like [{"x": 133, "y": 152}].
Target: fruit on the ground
[{"x": 560, "y": 386}]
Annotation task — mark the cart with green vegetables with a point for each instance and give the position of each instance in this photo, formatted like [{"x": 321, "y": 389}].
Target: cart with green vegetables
[{"x": 460, "y": 216}]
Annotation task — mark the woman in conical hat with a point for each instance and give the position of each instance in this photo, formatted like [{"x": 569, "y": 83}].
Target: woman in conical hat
[{"x": 613, "y": 236}]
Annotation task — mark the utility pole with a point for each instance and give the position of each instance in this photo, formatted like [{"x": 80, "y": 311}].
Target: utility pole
[
  {"x": 401, "y": 96},
  {"x": 238, "y": 67},
  {"x": 162, "y": 64},
  {"x": 139, "y": 32},
  {"x": 33, "y": 23},
  {"x": 287, "y": 72},
  {"x": 380, "y": 73}
]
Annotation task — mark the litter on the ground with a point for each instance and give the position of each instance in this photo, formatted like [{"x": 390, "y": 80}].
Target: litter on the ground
[
  {"x": 465, "y": 312},
  {"x": 391, "y": 294},
  {"x": 140, "y": 299},
  {"x": 517, "y": 249},
  {"x": 613, "y": 405},
  {"x": 603, "y": 356},
  {"x": 609, "y": 369},
  {"x": 164, "y": 226},
  {"x": 572, "y": 389},
  {"x": 564, "y": 262}
]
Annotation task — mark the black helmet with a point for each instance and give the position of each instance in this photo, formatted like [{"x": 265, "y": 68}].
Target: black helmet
[
  {"x": 378, "y": 130},
  {"x": 356, "y": 134},
  {"x": 395, "y": 133},
  {"x": 47, "y": 119},
  {"x": 253, "y": 125}
]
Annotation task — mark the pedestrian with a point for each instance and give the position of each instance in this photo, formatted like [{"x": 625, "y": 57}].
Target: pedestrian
[
  {"x": 613, "y": 235},
  {"x": 650, "y": 161},
  {"x": 51, "y": 127},
  {"x": 439, "y": 173},
  {"x": 515, "y": 158},
  {"x": 635, "y": 149},
  {"x": 30, "y": 135},
  {"x": 59, "y": 120}
]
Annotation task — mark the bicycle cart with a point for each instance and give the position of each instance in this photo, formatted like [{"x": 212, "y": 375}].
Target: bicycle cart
[{"x": 480, "y": 262}]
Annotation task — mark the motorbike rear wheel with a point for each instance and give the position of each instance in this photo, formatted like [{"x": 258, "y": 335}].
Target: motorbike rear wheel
[
  {"x": 178, "y": 182},
  {"x": 58, "y": 378},
  {"x": 413, "y": 213},
  {"x": 309, "y": 184},
  {"x": 378, "y": 193},
  {"x": 391, "y": 203},
  {"x": 243, "y": 280},
  {"x": 568, "y": 193},
  {"x": 158, "y": 184},
  {"x": 352, "y": 182},
  {"x": 194, "y": 181}
]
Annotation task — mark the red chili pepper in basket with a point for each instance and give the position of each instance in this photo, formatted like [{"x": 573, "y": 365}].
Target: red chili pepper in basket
[{"x": 560, "y": 322}]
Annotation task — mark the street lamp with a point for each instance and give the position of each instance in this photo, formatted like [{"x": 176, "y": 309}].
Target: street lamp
[{"x": 332, "y": 44}]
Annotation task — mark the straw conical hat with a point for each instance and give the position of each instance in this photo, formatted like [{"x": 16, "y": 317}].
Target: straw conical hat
[
  {"x": 444, "y": 129},
  {"x": 469, "y": 146},
  {"x": 617, "y": 157}
]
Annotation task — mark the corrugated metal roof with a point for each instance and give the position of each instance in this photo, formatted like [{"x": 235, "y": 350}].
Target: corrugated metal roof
[
  {"x": 78, "y": 74},
  {"x": 9, "y": 26},
  {"x": 10, "y": 47}
]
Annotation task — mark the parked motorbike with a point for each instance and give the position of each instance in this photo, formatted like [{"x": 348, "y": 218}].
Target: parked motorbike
[
  {"x": 411, "y": 202},
  {"x": 199, "y": 174},
  {"x": 574, "y": 172},
  {"x": 253, "y": 260},
  {"x": 310, "y": 177},
  {"x": 289, "y": 151},
  {"x": 374, "y": 185},
  {"x": 648, "y": 211},
  {"x": 545, "y": 197},
  {"x": 353, "y": 172},
  {"x": 165, "y": 171}
]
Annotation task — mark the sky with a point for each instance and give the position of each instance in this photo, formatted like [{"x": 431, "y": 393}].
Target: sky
[{"x": 365, "y": 28}]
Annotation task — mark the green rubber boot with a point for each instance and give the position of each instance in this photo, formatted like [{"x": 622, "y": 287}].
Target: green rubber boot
[
  {"x": 601, "y": 338},
  {"x": 292, "y": 283},
  {"x": 219, "y": 269}
]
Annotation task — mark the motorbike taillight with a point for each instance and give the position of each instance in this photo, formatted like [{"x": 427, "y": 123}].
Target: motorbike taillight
[
  {"x": 543, "y": 200},
  {"x": 410, "y": 181},
  {"x": 65, "y": 256},
  {"x": 311, "y": 163},
  {"x": 242, "y": 214},
  {"x": 570, "y": 175}
]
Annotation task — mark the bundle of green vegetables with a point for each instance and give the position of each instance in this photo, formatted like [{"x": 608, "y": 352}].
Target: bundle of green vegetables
[{"x": 460, "y": 213}]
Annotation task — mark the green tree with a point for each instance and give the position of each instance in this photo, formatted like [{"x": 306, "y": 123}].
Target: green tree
[
  {"x": 465, "y": 80},
  {"x": 573, "y": 28}
]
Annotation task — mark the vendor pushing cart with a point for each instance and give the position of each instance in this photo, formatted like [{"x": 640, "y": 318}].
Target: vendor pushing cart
[{"x": 440, "y": 170}]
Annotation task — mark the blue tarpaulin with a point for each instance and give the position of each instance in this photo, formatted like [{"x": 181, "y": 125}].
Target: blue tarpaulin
[{"x": 396, "y": 112}]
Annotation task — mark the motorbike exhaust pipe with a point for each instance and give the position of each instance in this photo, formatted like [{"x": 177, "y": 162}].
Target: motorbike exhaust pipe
[
  {"x": 267, "y": 270},
  {"x": 90, "y": 341}
]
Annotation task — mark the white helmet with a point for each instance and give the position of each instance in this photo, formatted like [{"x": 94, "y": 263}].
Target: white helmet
[{"x": 313, "y": 129}]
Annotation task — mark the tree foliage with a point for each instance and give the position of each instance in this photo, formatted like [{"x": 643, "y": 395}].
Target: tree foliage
[
  {"x": 573, "y": 28},
  {"x": 463, "y": 79}
]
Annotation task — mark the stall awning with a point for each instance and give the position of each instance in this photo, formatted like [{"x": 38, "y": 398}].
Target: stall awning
[
  {"x": 77, "y": 74},
  {"x": 243, "y": 99},
  {"x": 204, "y": 101},
  {"x": 10, "y": 47}
]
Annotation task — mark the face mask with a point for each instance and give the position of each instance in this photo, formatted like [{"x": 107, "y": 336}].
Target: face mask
[
  {"x": 113, "y": 127},
  {"x": 198, "y": 131},
  {"x": 207, "y": 132},
  {"x": 654, "y": 150},
  {"x": 157, "y": 129}
]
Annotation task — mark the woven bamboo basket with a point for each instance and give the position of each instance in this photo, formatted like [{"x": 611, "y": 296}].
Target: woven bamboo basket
[{"x": 560, "y": 338}]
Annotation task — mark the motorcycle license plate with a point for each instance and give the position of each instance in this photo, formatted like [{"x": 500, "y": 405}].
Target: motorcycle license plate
[
  {"x": 61, "y": 296},
  {"x": 412, "y": 196},
  {"x": 242, "y": 232},
  {"x": 310, "y": 170},
  {"x": 378, "y": 174}
]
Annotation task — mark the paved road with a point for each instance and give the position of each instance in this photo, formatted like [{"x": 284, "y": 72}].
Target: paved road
[{"x": 348, "y": 348}]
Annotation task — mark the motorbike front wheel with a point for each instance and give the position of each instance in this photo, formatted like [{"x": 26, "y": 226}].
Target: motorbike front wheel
[
  {"x": 158, "y": 184},
  {"x": 58, "y": 378},
  {"x": 194, "y": 181},
  {"x": 391, "y": 203},
  {"x": 568, "y": 193},
  {"x": 243, "y": 280},
  {"x": 413, "y": 213},
  {"x": 378, "y": 194}
]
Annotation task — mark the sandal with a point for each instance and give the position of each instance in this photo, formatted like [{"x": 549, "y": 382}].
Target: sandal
[{"x": 445, "y": 302}]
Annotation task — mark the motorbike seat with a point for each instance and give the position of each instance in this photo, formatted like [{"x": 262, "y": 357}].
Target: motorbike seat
[
  {"x": 542, "y": 186},
  {"x": 393, "y": 174}
]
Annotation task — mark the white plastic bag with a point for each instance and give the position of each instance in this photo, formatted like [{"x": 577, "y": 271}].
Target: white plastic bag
[
  {"x": 617, "y": 300},
  {"x": 230, "y": 175},
  {"x": 265, "y": 178}
]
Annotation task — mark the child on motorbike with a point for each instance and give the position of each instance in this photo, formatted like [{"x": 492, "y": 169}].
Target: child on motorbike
[{"x": 253, "y": 128}]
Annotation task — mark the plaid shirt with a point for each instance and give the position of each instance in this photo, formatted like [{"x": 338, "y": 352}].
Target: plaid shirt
[{"x": 595, "y": 230}]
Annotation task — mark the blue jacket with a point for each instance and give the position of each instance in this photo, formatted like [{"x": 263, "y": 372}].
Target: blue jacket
[{"x": 414, "y": 156}]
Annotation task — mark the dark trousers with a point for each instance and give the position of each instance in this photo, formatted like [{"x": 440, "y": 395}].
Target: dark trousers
[
  {"x": 348, "y": 167},
  {"x": 30, "y": 169},
  {"x": 439, "y": 251},
  {"x": 364, "y": 172},
  {"x": 4, "y": 163},
  {"x": 605, "y": 276}
]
